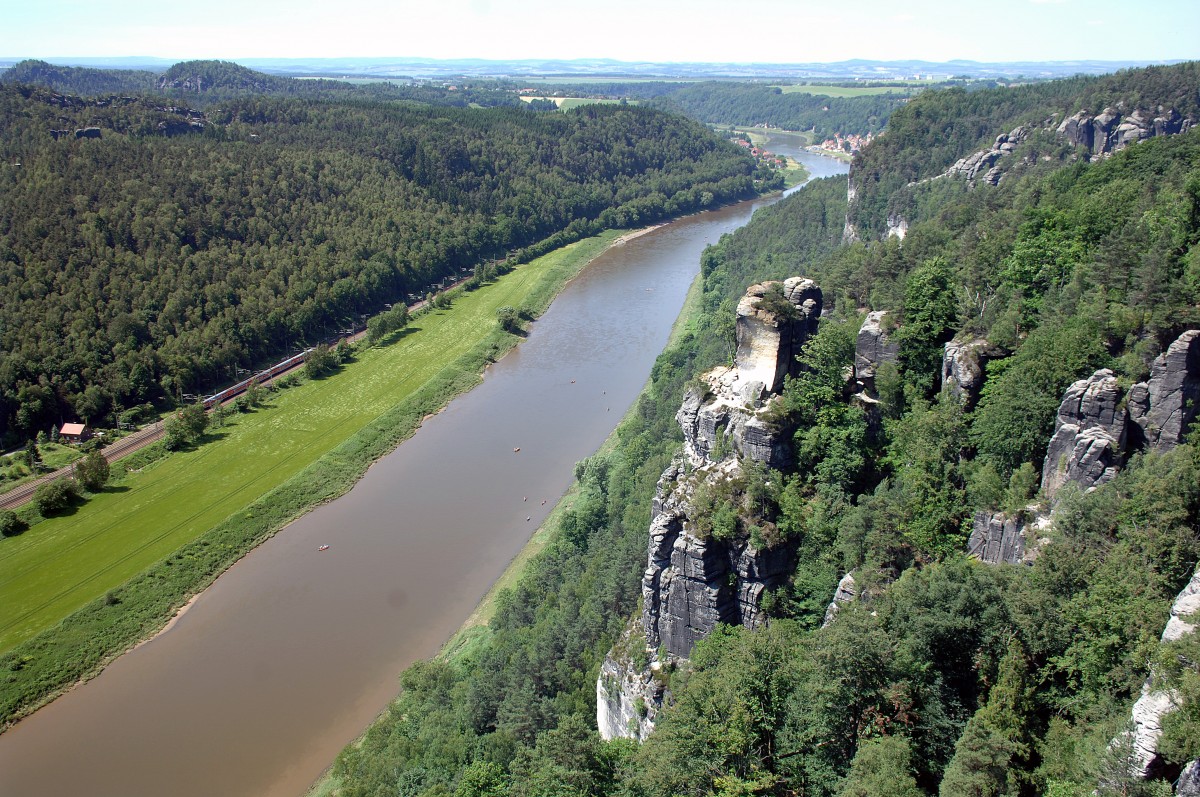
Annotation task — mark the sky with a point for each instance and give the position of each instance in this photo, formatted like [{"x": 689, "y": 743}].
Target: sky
[{"x": 765, "y": 31}]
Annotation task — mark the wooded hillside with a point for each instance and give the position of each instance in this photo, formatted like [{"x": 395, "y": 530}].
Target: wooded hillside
[{"x": 153, "y": 253}]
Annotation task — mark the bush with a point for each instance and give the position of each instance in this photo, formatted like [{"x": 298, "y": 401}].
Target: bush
[
  {"x": 508, "y": 318},
  {"x": 55, "y": 496},
  {"x": 185, "y": 426},
  {"x": 9, "y": 523},
  {"x": 92, "y": 471},
  {"x": 320, "y": 361}
]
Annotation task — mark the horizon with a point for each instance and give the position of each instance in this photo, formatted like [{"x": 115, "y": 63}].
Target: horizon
[{"x": 629, "y": 31}]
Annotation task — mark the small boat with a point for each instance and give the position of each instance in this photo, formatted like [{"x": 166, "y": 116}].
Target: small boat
[
  {"x": 515, "y": 450},
  {"x": 323, "y": 548}
]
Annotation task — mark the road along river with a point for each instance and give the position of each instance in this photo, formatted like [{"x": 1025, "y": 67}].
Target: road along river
[{"x": 292, "y": 652}]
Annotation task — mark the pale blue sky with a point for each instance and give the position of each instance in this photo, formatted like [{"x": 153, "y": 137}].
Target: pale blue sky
[{"x": 631, "y": 30}]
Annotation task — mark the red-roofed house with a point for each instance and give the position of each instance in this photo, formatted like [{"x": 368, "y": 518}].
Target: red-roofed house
[{"x": 73, "y": 433}]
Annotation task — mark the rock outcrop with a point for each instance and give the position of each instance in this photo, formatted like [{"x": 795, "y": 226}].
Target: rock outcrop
[
  {"x": 873, "y": 348},
  {"x": 846, "y": 592},
  {"x": 628, "y": 696},
  {"x": 1112, "y": 130},
  {"x": 1000, "y": 538},
  {"x": 1188, "y": 784},
  {"x": 731, "y": 412},
  {"x": 963, "y": 364},
  {"x": 696, "y": 575},
  {"x": 1165, "y": 406},
  {"x": 982, "y": 166},
  {"x": 693, "y": 582},
  {"x": 1156, "y": 700},
  {"x": 897, "y": 226},
  {"x": 1088, "y": 446}
]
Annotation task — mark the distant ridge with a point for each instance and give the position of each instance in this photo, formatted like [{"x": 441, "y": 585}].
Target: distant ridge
[{"x": 605, "y": 67}]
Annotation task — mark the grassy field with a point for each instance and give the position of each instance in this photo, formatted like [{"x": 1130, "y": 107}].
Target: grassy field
[
  {"x": 14, "y": 471},
  {"x": 63, "y": 563},
  {"x": 852, "y": 91},
  {"x": 566, "y": 103}
]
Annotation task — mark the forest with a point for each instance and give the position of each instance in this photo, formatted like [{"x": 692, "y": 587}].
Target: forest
[
  {"x": 751, "y": 104},
  {"x": 948, "y": 676},
  {"x": 741, "y": 103},
  {"x": 150, "y": 249}
]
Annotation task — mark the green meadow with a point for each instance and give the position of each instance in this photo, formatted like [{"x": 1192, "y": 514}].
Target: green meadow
[
  {"x": 852, "y": 91},
  {"x": 64, "y": 563}
]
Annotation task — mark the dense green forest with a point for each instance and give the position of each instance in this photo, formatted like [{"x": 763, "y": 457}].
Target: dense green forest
[
  {"x": 726, "y": 102},
  {"x": 162, "y": 248},
  {"x": 951, "y": 677},
  {"x": 752, "y": 104},
  {"x": 78, "y": 79}
]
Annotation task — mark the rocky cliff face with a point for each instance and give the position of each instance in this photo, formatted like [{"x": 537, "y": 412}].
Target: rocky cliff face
[
  {"x": 628, "y": 694},
  {"x": 694, "y": 582},
  {"x": 1088, "y": 445},
  {"x": 696, "y": 577},
  {"x": 1165, "y": 406},
  {"x": 963, "y": 364},
  {"x": 1113, "y": 129},
  {"x": 1098, "y": 425},
  {"x": 982, "y": 166},
  {"x": 873, "y": 348},
  {"x": 731, "y": 412},
  {"x": 1097, "y": 428},
  {"x": 1156, "y": 700},
  {"x": 1001, "y": 538}
]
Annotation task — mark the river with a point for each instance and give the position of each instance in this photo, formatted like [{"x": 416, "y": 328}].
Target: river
[{"x": 293, "y": 651}]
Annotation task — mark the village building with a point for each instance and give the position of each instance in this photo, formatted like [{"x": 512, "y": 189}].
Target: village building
[{"x": 73, "y": 433}]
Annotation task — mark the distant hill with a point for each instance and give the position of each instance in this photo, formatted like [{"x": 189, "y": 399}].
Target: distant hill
[
  {"x": 79, "y": 80},
  {"x": 226, "y": 77}
]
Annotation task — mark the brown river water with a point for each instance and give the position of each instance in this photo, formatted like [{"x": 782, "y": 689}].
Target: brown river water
[{"x": 292, "y": 652}]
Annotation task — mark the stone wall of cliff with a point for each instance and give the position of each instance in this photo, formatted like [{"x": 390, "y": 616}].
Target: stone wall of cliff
[{"x": 697, "y": 577}]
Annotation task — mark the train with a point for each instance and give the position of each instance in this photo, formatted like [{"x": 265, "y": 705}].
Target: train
[{"x": 275, "y": 370}]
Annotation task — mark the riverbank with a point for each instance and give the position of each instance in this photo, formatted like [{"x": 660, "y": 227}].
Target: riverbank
[{"x": 122, "y": 616}]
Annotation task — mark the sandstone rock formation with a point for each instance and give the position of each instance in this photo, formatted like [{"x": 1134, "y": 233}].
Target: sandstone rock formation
[
  {"x": 873, "y": 348},
  {"x": 1156, "y": 700},
  {"x": 1088, "y": 445},
  {"x": 628, "y": 696},
  {"x": 846, "y": 592},
  {"x": 984, "y": 162},
  {"x": 731, "y": 414},
  {"x": 692, "y": 582},
  {"x": 1112, "y": 130},
  {"x": 1188, "y": 784},
  {"x": 1165, "y": 406},
  {"x": 963, "y": 363},
  {"x": 1000, "y": 538},
  {"x": 696, "y": 578},
  {"x": 897, "y": 226}
]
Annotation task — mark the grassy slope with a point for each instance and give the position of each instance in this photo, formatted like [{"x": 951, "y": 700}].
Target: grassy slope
[{"x": 62, "y": 564}]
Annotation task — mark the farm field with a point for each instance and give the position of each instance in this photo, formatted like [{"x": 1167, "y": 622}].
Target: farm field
[
  {"x": 851, "y": 91},
  {"x": 63, "y": 563}
]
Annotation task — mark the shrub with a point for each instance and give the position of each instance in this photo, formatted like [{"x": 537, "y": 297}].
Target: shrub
[
  {"x": 53, "y": 497},
  {"x": 92, "y": 471},
  {"x": 9, "y": 523}
]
